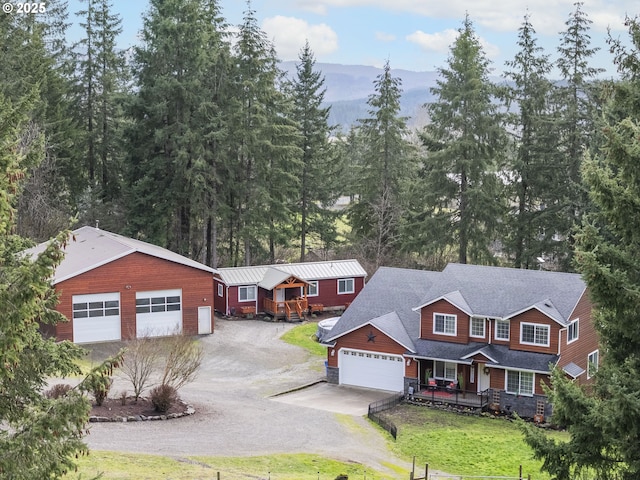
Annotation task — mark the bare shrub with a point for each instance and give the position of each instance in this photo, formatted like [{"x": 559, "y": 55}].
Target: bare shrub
[
  {"x": 57, "y": 391},
  {"x": 140, "y": 362},
  {"x": 163, "y": 397},
  {"x": 182, "y": 360}
]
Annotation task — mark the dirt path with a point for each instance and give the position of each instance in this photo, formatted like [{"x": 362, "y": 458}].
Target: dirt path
[{"x": 245, "y": 363}]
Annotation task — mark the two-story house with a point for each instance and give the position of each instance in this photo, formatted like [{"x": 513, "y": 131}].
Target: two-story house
[{"x": 491, "y": 330}]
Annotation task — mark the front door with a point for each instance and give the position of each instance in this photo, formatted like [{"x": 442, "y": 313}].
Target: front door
[{"x": 483, "y": 377}]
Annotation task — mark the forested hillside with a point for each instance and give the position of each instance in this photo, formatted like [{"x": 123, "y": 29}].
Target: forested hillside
[{"x": 197, "y": 141}]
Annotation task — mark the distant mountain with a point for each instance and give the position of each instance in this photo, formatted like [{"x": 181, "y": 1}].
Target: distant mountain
[{"x": 349, "y": 86}]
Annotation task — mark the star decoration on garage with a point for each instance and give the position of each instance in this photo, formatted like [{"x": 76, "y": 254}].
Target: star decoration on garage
[{"x": 371, "y": 337}]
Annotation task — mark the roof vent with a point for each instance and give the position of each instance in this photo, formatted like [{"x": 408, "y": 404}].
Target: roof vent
[{"x": 547, "y": 304}]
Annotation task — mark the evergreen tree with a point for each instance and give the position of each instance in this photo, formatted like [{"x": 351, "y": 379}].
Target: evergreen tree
[
  {"x": 40, "y": 437},
  {"x": 577, "y": 106},
  {"x": 387, "y": 165},
  {"x": 458, "y": 195},
  {"x": 532, "y": 187},
  {"x": 604, "y": 422},
  {"x": 319, "y": 168},
  {"x": 265, "y": 148}
]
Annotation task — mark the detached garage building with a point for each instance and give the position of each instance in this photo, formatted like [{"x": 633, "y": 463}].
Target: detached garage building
[{"x": 116, "y": 288}]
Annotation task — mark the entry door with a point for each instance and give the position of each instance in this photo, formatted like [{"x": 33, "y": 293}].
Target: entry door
[
  {"x": 279, "y": 294},
  {"x": 483, "y": 378},
  {"x": 204, "y": 320}
]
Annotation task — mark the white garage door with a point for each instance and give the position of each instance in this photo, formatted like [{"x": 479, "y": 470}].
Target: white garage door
[
  {"x": 96, "y": 318},
  {"x": 158, "y": 313},
  {"x": 372, "y": 370}
]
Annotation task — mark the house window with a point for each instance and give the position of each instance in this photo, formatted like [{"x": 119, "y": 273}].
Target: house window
[
  {"x": 346, "y": 285},
  {"x": 444, "y": 324},
  {"x": 445, "y": 371},
  {"x": 312, "y": 289},
  {"x": 572, "y": 331},
  {"x": 220, "y": 290},
  {"x": 477, "y": 327},
  {"x": 502, "y": 329},
  {"x": 534, "y": 334},
  {"x": 519, "y": 383},
  {"x": 592, "y": 363},
  {"x": 96, "y": 309},
  {"x": 247, "y": 293}
]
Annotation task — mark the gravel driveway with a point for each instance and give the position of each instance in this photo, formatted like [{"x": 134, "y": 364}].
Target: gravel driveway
[{"x": 245, "y": 364}]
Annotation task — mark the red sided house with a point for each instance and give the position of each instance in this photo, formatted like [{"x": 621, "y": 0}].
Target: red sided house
[
  {"x": 114, "y": 288},
  {"x": 288, "y": 290},
  {"x": 490, "y": 332}
]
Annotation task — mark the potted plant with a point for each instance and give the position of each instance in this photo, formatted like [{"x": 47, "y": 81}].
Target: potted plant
[{"x": 461, "y": 385}]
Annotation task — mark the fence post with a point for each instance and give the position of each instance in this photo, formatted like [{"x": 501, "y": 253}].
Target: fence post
[
  {"x": 426, "y": 471},
  {"x": 520, "y": 472}
]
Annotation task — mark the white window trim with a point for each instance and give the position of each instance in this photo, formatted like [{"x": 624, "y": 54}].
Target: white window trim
[
  {"x": 589, "y": 363},
  {"x": 220, "y": 290},
  {"x": 311, "y": 282},
  {"x": 496, "y": 330},
  {"x": 484, "y": 327},
  {"x": 251, "y": 288},
  {"x": 445, "y": 315},
  {"x": 536, "y": 325},
  {"x": 520, "y": 372},
  {"x": 345, "y": 280},
  {"x": 575, "y": 322}
]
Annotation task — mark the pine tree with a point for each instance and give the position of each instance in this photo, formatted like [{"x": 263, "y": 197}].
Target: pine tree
[
  {"x": 458, "y": 194},
  {"x": 40, "y": 437},
  {"x": 387, "y": 165},
  {"x": 604, "y": 422},
  {"x": 319, "y": 168},
  {"x": 533, "y": 189}
]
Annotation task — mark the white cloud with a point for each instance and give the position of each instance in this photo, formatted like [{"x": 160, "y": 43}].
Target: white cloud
[
  {"x": 385, "y": 37},
  {"x": 434, "y": 42},
  {"x": 289, "y": 35}
]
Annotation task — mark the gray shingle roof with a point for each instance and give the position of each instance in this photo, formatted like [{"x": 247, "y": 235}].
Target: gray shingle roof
[
  {"x": 93, "y": 248},
  {"x": 393, "y": 298}
]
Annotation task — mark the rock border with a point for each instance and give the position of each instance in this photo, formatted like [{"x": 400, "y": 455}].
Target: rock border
[{"x": 189, "y": 410}]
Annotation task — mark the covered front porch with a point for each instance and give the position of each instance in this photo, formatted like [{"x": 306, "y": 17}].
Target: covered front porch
[{"x": 285, "y": 297}]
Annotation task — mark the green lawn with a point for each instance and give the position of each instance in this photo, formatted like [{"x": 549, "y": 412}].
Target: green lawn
[
  {"x": 120, "y": 466},
  {"x": 461, "y": 444},
  {"x": 304, "y": 336}
]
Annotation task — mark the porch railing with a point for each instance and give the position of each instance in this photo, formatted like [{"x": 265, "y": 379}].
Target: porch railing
[
  {"x": 286, "y": 307},
  {"x": 452, "y": 396}
]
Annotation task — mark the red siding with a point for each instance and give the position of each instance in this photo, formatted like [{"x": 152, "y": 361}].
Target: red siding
[
  {"x": 139, "y": 272},
  {"x": 359, "y": 340},
  {"x": 220, "y": 301},
  {"x": 442, "y": 306},
  {"x": 533, "y": 316},
  {"x": 587, "y": 342}
]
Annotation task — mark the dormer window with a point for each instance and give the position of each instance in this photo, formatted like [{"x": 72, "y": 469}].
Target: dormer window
[{"x": 534, "y": 334}]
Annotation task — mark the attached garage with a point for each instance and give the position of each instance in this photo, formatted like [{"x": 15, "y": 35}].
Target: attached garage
[
  {"x": 158, "y": 313},
  {"x": 96, "y": 317},
  {"x": 371, "y": 369}
]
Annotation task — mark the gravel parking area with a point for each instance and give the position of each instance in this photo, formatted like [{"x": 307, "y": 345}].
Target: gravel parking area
[{"x": 245, "y": 365}]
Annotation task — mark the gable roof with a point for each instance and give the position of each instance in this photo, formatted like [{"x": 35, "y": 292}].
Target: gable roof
[
  {"x": 499, "y": 292},
  {"x": 91, "y": 248},
  {"x": 390, "y": 290},
  {"x": 254, "y": 275},
  {"x": 274, "y": 277}
]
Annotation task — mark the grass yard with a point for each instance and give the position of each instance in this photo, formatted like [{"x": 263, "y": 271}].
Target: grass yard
[
  {"x": 118, "y": 466},
  {"x": 460, "y": 444},
  {"x": 304, "y": 336}
]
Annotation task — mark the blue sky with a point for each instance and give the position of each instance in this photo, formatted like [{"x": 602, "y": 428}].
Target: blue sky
[{"x": 411, "y": 34}]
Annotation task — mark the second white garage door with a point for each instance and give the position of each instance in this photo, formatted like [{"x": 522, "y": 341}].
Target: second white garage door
[
  {"x": 372, "y": 370},
  {"x": 158, "y": 313}
]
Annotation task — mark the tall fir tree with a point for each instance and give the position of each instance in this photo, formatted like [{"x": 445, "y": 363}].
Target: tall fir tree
[
  {"x": 534, "y": 193},
  {"x": 603, "y": 422},
  {"x": 577, "y": 107},
  {"x": 320, "y": 167},
  {"x": 265, "y": 148},
  {"x": 387, "y": 165},
  {"x": 458, "y": 195}
]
